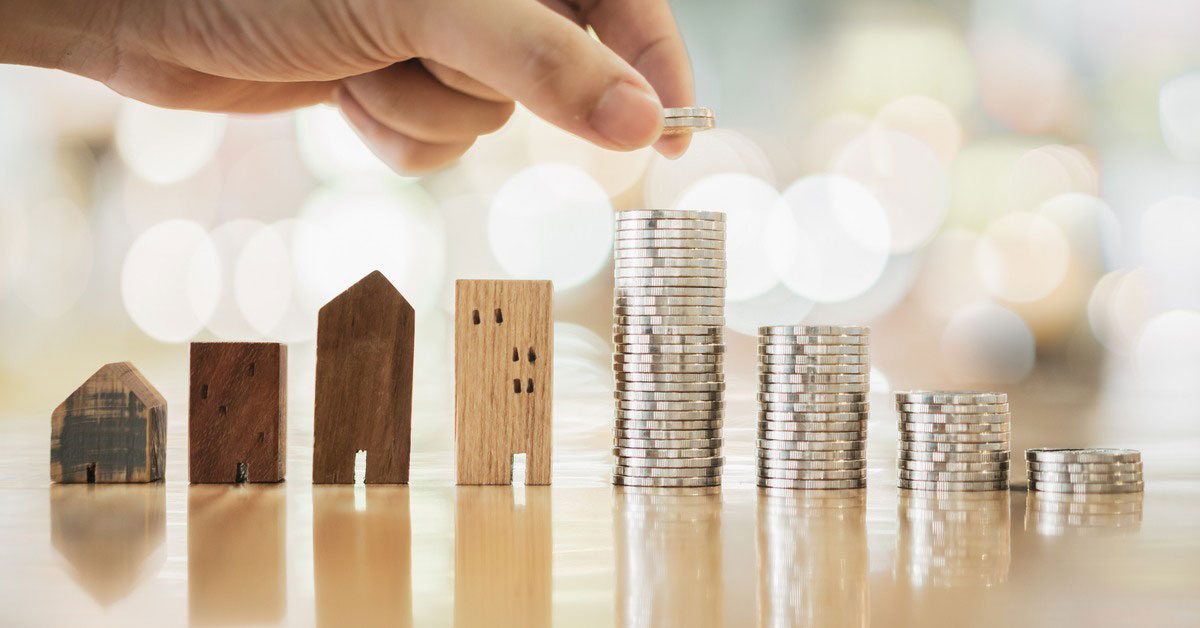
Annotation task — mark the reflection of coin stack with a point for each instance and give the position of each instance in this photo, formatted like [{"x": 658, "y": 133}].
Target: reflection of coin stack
[
  {"x": 1079, "y": 471},
  {"x": 953, "y": 441},
  {"x": 1084, "y": 514},
  {"x": 812, "y": 558},
  {"x": 668, "y": 557},
  {"x": 953, "y": 539},
  {"x": 669, "y": 312},
  {"x": 812, "y": 420}
]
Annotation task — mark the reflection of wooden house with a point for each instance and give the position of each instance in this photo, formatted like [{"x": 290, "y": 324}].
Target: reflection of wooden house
[
  {"x": 237, "y": 412},
  {"x": 110, "y": 536},
  {"x": 362, "y": 558},
  {"x": 503, "y": 363},
  {"x": 113, "y": 428},
  {"x": 364, "y": 384}
]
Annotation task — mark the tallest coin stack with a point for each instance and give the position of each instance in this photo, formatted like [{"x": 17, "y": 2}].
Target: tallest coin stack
[{"x": 669, "y": 308}]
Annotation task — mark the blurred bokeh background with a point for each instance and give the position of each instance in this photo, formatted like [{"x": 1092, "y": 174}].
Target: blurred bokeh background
[{"x": 1008, "y": 191}]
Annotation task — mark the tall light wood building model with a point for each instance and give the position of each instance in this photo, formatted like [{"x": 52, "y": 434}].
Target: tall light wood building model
[{"x": 503, "y": 366}]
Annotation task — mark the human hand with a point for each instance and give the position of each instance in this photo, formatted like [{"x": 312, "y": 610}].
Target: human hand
[{"x": 419, "y": 80}]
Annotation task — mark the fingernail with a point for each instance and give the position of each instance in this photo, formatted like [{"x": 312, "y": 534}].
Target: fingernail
[{"x": 627, "y": 116}]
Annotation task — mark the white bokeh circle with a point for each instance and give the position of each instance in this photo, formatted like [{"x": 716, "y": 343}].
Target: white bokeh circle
[
  {"x": 171, "y": 280},
  {"x": 166, "y": 145}
]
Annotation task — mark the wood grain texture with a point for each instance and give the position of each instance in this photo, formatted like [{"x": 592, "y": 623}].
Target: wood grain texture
[
  {"x": 503, "y": 366},
  {"x": 113, "y": 428},
  {"x": 364, "y": 384},
  {"x": 503, "y": 557},
  {"x": 237, "y": 411}
]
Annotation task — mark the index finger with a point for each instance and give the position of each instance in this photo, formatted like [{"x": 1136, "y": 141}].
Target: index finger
[{"x": 644, "y": 33}]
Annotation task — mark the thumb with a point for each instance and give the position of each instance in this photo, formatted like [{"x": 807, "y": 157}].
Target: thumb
[{"x": 529, "y": 53}]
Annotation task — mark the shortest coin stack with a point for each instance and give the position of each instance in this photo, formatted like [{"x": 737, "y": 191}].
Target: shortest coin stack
[
  {"x": 812, "y": 394},
  {"x": 1085, "y": 470},
  {"x": 953, "y": 440},
  {"x": 680, "y": 120}
]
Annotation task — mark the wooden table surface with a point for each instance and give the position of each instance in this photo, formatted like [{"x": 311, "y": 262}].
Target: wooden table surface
[{"x": 582, "y": 553}]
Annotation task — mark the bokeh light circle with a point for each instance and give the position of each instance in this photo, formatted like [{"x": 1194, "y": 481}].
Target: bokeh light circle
[
  {"x": 59, "y": 257},
  {"x": 1120, "y": 304},
  {"x": 551, "y": 221},
  {"x": 1179, "y": 116},
  {"x": 166, "y": 145},
  {"x": 712, "y": 152},
  {"x": 171, "y": 280},
  {"x": 985, "y": 342},
  {"x": 265, "y": 286},
  {"x": 925, "y": 119},
  {"x": 907, "y": 178},
  {"x": 1168, "y": 350},
  {"x": 228, "y": 322},
  {"x": 1170, "y": 230},
  {"x": 777, "y": 306},
  {"x": 747, "y": 202},
  {"x": 615, "y": 171},
  {"x": 828, "y": 238},
  {"x": 1022, "y": 257}
]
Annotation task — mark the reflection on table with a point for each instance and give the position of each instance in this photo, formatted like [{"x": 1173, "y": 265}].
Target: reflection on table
[
  {"x": 502, "y": 556},
  {"x": 362, "y": 556},
  {"x": 236, "y": 555},
  {"x": 1055, "y": 514},
  {"x": 668, "y": 545},
  {"x": 108, "y": 533},
  {"x": 812, "y": 558},
  {"x": 951, "y": 539}
]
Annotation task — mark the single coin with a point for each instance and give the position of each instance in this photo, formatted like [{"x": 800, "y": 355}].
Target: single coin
[
  {"x": 670, "y": 405},
  {"x": 813, "y": 340},
  {"x": 668, "y": 443},
  {"x": 813, "y": 397},
  {"x": 662, "y": 252},
  {"x": 671, "y": 463},
  {"x": 668, "y": 302},
  {"x": 804, "y": 379},
  {"x": 941, "y": 408},
  {"x": 632, "y": 424},
  {"x": 674, "y": 125},
  {"x": 963, "y": 457},
  {"x": 667, "y": 340},
  {"x": 672, "y": 454},
  {"x": 694, "y": 331},
  {"x": 802, "y": 350},
  {"x": 951, "y": 397},
  {"x": 811, "y": 455},
  {"x": 954, "y": 476},
  {"x": 671, "y": 415},
  {"x": 659, "y": 472},
  {"x": 620, "y": 292},
  {"x": 955, "y": 428},
  {"x": 679, "y": 214},
  {"x": 794, "y": 360},
  {"x": 626, "y": 275},
  {"x": 806, "y": 436},
  {"x": 814, "y": 330},
  {"x": 667, "y": 482},
  {"x": 643, "y": 395},
  {"x": 971, "y": 467},
  {"x": 667, "y": 315},
  {"x": 1085, "y": 478},
  {"x": 666, "y": 434},
  {"x": 669, "y": 378},
  {"x": 684, "y": 387},
  {"x": 673, "y": 234},
  {"x": 919, "y": 417},
  {"x": 672, "y": 282},
  {"x": 999, "y": 485},
  {"x": 668, "y": 243},
  {"x": 802, "y": 445},
  {"x": 811, "y": 484},
  {"x": 932, "y": 437},
  {"x": 775, "y": 370},
  {"x": 664, "y": 368},
  {"x": 813, "y": 426},
  {"x": 811, "y": 465},
  {"x": 669, "y": 223},
  {"x": 682, "y": 358},
  {"x": 629, "y": 349},
  {"x": 1081, "y": 455},
  {"x": 767, "y": 406},
  {"x": 687, "y": 112},
  {"x": 1067, "y": 487},
  {"x": 813, "y": 417},
  {"x": 1085, "y": 467},
  {"x": 826, "y": 389},
  {"x": 953, "y": 447},
  {"x": 807, "y": 474}
]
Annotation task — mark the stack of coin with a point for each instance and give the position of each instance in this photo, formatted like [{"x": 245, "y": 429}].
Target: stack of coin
[
  {"x": 669, "y": 312},
  {"x": 953, "y": 441},
  {"x": 1085, "y": 470},
  {"x": 812, "y": 420},
  {"x": 680, "y": 120}
]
